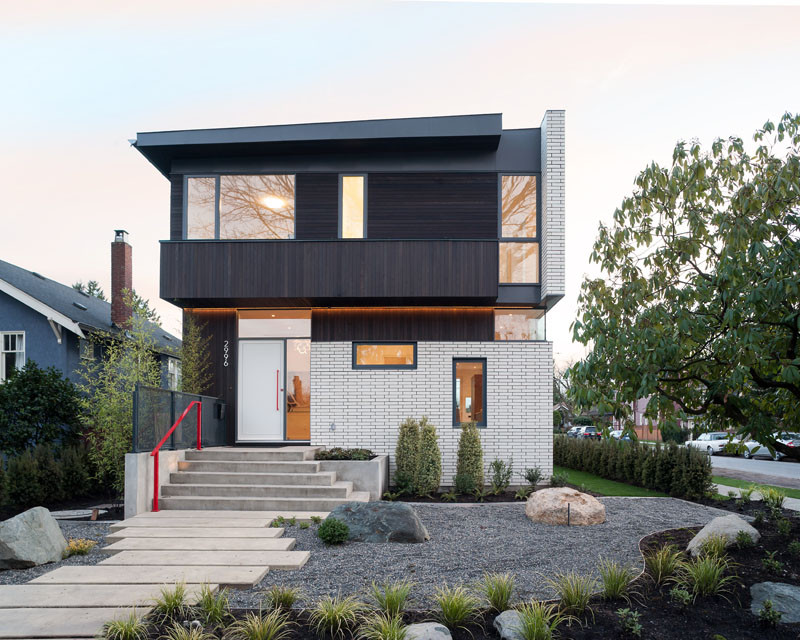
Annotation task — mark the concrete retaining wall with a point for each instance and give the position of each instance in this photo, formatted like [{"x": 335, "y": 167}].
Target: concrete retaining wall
[
  {"x": 139, "y": 478},
  {"x": 366, "y": 475}
]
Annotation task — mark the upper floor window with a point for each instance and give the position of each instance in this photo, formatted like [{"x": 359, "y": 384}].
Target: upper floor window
[
  {"x": 519, "y": 229},
  {"x": 12, "y": 353},
  {"x": 352, "y": 206},
  {"x": 241, "y": 207}
]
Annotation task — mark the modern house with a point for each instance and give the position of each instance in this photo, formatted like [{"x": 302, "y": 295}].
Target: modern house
[
  {"x": 353, "y": 274},
  {"x": 50, "y": 323}
]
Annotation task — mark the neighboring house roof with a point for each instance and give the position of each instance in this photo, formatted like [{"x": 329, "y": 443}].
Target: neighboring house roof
[{"x": 67, "y": 307}]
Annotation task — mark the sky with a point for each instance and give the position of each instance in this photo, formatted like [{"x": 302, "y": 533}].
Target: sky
[{"x": 80, "y": 78}]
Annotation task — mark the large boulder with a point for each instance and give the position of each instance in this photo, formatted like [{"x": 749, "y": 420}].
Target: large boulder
[
  {"x": 785, "y": 598},
  {"x": 726, "y": 526},
  {"x": 381, "y": 522},
  {"x": 29, "y": 539},
  {"x": 550, "y": 507},
  {"x": 428, "y": 631},
  {"x": 508, "y": 625}
]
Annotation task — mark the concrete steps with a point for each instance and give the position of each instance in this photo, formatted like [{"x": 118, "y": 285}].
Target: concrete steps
[{"x": 230, "y": 479}]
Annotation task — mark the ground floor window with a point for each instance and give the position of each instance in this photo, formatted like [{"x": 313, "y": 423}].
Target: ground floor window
[
  {"x": 298, "y": 389},
  {"x": 13, "y": 353},
  {"x": 387, "y": 355},
  {"x": 469, "y": 391},
  {"x": 519, "y": 324}
]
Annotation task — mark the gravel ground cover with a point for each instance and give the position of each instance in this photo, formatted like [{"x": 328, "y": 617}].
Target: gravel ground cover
[
  {"x": 89, "y": 530},
  {"x": 468, "y": 540}
]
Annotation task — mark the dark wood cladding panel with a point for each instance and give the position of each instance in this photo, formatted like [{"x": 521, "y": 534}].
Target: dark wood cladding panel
[
  {"x": 220, "y": 326},
  {"x": 353, "y": 269},
  {"x": 334, "y": 325},
  {"x": 175, "y": 207},
  {"x": 316, "y": 206},
  {"x": 432, "y": 205}
]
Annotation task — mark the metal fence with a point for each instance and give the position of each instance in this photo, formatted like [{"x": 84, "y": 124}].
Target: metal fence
[{"x": 155, "y": 411}]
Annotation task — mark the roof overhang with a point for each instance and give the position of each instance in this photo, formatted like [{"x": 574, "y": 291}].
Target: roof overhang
[
  {"x": 478, "y": 132},
  {"x": 48, "y": 312}
]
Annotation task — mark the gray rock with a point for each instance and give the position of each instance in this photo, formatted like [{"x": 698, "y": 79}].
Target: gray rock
[
  {"x": 30, "y": 539},
  {"x": 785, "y": 598},
  {"x": 508, "y": 625},
  {"x": 428, "y": 631},
  {"x": 728, "y": 526},
  {"x": 381, "y": 522}
]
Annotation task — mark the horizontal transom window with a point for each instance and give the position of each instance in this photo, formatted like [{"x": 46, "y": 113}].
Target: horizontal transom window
[{"x": 386, "y": 355}]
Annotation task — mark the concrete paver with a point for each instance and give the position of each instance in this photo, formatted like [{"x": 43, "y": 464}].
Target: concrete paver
[
  {"x": 52, "y": 622},
  {"x": 152, "y": 523},
  {"x": 87, "y": 596},
  {"x": 209, "y": 559},
  {"x": 194, "y": 532},
  {"x": 200, "y": 544},
  {"x": 238, "y": 577}
]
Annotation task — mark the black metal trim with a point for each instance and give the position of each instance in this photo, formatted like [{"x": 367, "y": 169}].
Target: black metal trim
[
  {"x": 355, "y": 365},
  {"x": 456, "y": 421}
]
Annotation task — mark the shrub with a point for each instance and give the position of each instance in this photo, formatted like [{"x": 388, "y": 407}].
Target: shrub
[
  {"x": 256, "y": 626},
  {"x": 333, "y": 531},
  {"x": 470, "y": 454},
  {"x": 24, "y": 490},
  {"x": 746, "y": 493},
  {"x": 214, "y": 608},
  {"x": 501, "y": 475},
  {"x": 771, "y": 563},
  {"x": 523, "y": 493},
  {"x": 615, "y": 580},
  {"x": 278, "y": 597},
  {"x": 663, "y": 563},
  {"x": 573, "y": 592},
  {"x": 463, "y": 483},
  {"x": 758, "y": 519},
  {"x": 391, "y": 597},
  {"x": 132, "y": 627},
  {"x": 743, "y": 540},
  {"x": 428, "y": 475},
  {"x": 629, "y": 621},
  {"x": 559, "y": 479},
  {"x": 78, "y": 547},
  {"x": 380, "y": 626},
  {"x": 533, "y": 476},
  {"x": 37, "y": 406},
  {"x": 338, "y": 453},
  {"x": 785, "y": 527},
  {"x": 3, "y": 484},
  {"x": 680, "y": 596},
  {"x": 75, "y": 472},
  {"x": 773, "y": 498},
  {"x": 405, "y": 455},
  {"x": 768, "y": 615},
  {"x": 497, "y": 588},
  {"x": 49, "y": 472},
  {"x": 334, "y": 615},
  {"x": 457, "y": 607},
  {"x": 794, "y": 548},
  {"x": 539, "y": 621},
  {"x": 715, "y": 545}
]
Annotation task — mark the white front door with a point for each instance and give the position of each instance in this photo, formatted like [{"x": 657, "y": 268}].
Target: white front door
[{"x": 261, "y": 391}]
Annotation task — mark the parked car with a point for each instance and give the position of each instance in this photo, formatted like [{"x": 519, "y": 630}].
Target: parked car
[
  {"x": 712, "y": 442},
  {"x": 573, "y": 433},
  {"x": 616, "y": 434},
  {"x": 591, "y": 433},
  {"x": 754, "y": 448}
]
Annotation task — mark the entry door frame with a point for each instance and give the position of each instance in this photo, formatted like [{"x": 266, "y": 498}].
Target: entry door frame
[{"x": 238, "y": 388}]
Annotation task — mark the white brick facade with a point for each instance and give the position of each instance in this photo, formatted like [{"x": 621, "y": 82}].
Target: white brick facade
[
  {"x": 553, "y": 207},
  {"x": 367, "y": 406}
]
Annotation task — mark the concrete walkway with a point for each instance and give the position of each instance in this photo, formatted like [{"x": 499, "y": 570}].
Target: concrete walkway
[
  {"x": 222, "y": 549},
  {"x": 793, "y": 504}
]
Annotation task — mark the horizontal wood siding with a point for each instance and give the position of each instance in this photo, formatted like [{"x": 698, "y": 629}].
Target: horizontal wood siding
[
  {"x": 220, "y": 326},
  {"x": 316, "y": 206},
  {"x": 232, "y": 273},
  {"x": 175, "y": 207},
  {"x": 432, "y": 205},
  {"x": 334, "y": 325}
]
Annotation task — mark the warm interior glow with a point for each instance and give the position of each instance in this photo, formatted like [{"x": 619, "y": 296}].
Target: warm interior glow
[
  {"x": 273, "y": 202},
  {"x": 384, "y": 355},
  {"x": 352, "y": 206}
]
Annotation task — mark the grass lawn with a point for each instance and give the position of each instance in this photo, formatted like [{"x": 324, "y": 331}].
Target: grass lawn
[
  {"x": 741, "y": 484},
  {"x": 603, "y": 486}
]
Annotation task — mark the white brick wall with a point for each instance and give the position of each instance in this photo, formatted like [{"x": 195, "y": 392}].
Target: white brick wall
[
  {"x": 553, "y": 205},
  {"x": 367, "y": 406}
]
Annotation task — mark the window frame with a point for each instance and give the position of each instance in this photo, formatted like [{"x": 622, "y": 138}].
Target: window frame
[
  {"x": 3, "y": 375},
  {"x": 483, "y": 423},
  {"x": 379, "y": 367},
  {"x": 501, "y": 239},
  {"x": 217, "y": 177},
  {"x": 341, "y": 178}
]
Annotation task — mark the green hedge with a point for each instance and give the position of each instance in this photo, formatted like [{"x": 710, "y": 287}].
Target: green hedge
[{"x": 681, "y": 472}]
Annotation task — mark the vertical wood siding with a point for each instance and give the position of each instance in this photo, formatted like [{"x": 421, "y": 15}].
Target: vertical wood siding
[
  {"x": 316, "y": 206},
  {"x": 175, "y": 207}
]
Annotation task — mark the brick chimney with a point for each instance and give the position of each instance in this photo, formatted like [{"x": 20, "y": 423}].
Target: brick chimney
[{"x": 121, "y": 277}]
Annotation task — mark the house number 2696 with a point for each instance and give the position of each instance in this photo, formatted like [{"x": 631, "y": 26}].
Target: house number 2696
[{"x": 225, "y": 354}]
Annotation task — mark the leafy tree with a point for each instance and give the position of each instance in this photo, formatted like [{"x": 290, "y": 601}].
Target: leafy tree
[
  {"x": 141, "y": 307},
  {"x": 37, "y": 406},
  {"x": 107, "y": 385},
  {"x": 91, "y": 288},
  {"x": 700, "y": 309},
  {"x": 194, "y": 355}
]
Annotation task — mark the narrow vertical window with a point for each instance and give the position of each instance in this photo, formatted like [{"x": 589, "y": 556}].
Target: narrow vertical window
[
  {"x": 201, "y": 203},
  {"x": 469, "y": 391},
  {"x": 12, "y": 354},
  {"x": 353, "y": 218},
  {"x": 519, "y": 246}
]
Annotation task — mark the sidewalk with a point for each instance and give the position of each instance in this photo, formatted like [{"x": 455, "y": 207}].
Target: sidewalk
[{"x": 793, "y": 504}]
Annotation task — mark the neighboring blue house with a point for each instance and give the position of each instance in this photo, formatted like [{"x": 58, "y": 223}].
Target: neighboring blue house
[{"x": 51, "y": 323}]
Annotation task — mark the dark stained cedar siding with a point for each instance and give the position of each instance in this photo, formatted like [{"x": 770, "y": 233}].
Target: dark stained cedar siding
[
  {"x": 176, "y": 207},
  {"x": 220, "y": 325},
  {"x": 432, "y": 205},
  {"x": 316, "y": 206},
  {"x": 333, "y": 325}
]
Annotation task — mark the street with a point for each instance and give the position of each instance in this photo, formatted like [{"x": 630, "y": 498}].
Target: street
[{"x": 762, "y": 468}]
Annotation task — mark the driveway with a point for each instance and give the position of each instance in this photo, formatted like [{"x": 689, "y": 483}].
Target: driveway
[{"x": 782, "y": 473}]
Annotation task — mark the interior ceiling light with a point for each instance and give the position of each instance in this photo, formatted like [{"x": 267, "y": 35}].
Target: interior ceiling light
[{"x": 273, "y": 202}]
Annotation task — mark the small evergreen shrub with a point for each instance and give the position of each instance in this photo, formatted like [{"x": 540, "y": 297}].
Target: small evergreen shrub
[
  {"x": 769, "y": 615},
  {"x": 629, "y": 621},
  {"x": 743, "y": 540},
  {"x": 75, "y": 472},
  {"x": 3, "y": 488},
  {"x": 24, "y": 490},
  {"x": 794, "y": 548},
  {"x": 501, "y": 475},
  {"x": 533, "y": 476},
  {"x": 470, "y": 454},
  {"x": 559, "y": 479},
  {"x": 406, "y": 453},
  {"x": 49, "y": 471},
  {"x": 333, "y": 531},
  {"x": 464, "y": 483},
  {"x": 428, "y": 474}
]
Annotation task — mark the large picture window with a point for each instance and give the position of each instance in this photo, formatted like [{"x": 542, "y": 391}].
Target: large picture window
[
  {"x": 242, "y": 207},
  {"x": 386, "y": 355},
  {"x": 12, "y": 355},
  {"x": 469, "y": 391},
  {"x": 519, "y": 230}
]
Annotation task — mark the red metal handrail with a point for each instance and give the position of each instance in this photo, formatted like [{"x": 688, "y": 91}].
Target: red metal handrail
[{"x": 154, "y": 452}]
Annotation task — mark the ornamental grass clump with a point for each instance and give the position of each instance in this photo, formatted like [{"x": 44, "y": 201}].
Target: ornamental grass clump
[
  {"x": 715, "y": 545},
  {"x": 178, "y": 632},
  {"x": 615, "y": 580},
  {"x": 428, "y": 473},
  {"x": 773, "y": 498},
  {"x": 213, "y": 608},
  {"x": 497, "y": 589},
  {"x": 279, "y": 597},
  {"x": 171, "y": 604},
  {"x": 380, "y": 626},
  {"x": 335, "y": 615},
  {"x": 574, "y": 591},
  {"x": 458, "y": 607},
  {"x": 391, "y": 598},
  {"x": 257, "y": 626},
  {"x": 705, "y": 576},
  {"x": 132, "y": 627},
  {"x": 663, "y": 563},
  {"x": 539, "y": 621},
  {"x": 470, "y": 455},
  {"x": 406, "y": 454}
]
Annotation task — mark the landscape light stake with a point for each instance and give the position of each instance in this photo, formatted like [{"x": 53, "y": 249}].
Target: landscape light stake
[{"x": 568, "y": 513}]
